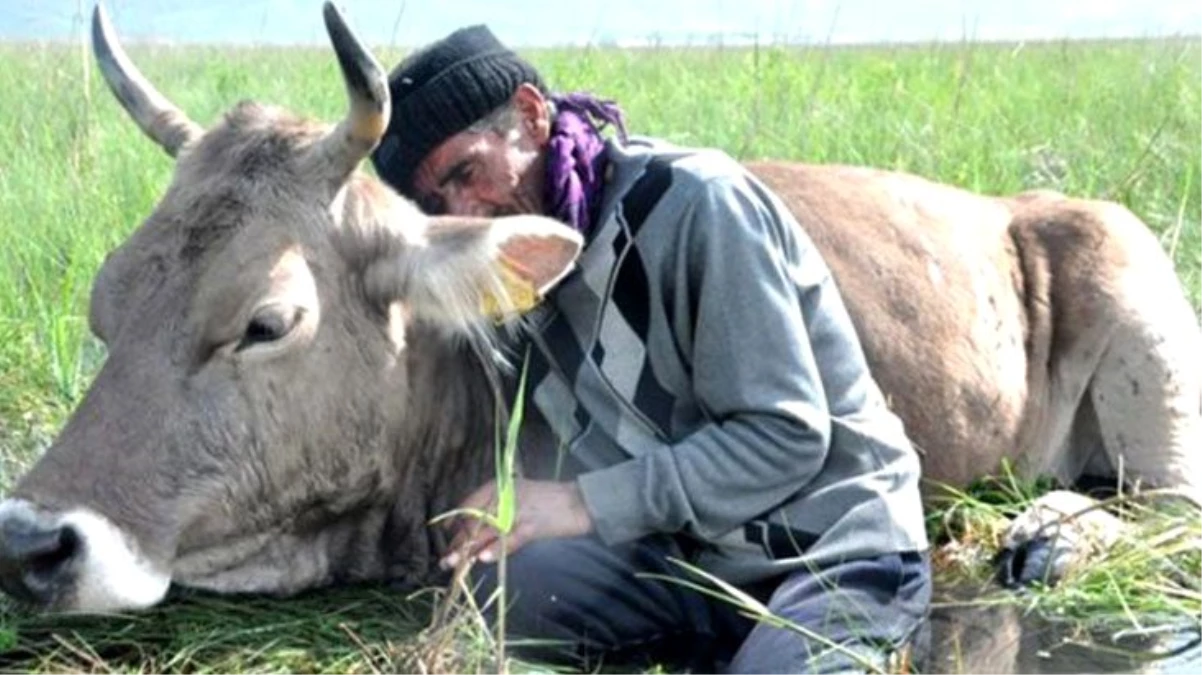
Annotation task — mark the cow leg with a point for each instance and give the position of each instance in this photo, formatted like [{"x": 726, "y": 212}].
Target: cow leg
[
  {"x": 1147, "y": 395},
  {"x": 1047, "y": 539},
  {"x": 1140, "y": 421}
]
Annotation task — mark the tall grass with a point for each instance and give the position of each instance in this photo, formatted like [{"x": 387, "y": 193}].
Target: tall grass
[{"x": 1118, "y": 120}]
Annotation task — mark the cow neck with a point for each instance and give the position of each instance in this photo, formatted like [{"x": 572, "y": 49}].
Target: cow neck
[{"x": 445, "y": 444}]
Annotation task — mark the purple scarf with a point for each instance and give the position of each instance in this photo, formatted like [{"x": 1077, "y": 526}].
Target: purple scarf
[{"x": 576, "y": 158}]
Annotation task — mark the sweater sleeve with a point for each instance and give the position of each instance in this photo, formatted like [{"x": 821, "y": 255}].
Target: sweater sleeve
[{"x": 753, "y": 282}]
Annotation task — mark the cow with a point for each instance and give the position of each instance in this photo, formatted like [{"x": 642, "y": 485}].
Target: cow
[{"x": 303, "y": 371}]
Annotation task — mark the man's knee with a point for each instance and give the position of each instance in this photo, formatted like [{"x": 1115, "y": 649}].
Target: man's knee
[
  {"x": 853, "y": 617},
  {"x": 597, "y": 597},
  {"x": 539, "y": 570},
  {"x": 544, "y": 597}
]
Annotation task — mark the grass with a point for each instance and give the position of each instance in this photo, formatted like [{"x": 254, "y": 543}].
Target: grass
[
  {"x": 1118, "y": 120},
  {"x": 326, "y": 632}
]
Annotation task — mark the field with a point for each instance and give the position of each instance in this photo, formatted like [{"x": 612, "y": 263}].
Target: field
[{"x": 1115, "y": 120}]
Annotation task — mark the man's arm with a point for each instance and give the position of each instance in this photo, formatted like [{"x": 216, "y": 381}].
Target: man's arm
[{"x": 755, "y": 375}]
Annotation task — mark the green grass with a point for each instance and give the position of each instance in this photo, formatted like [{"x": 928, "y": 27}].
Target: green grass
[
  {"x": 328, "y": 632},
  {"x": 1119, "y": 120}
]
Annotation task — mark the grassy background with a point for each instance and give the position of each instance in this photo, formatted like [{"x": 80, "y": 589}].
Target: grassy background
[{"x": 1118, "y": 120}]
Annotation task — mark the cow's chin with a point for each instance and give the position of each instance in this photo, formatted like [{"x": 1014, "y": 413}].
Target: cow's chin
[
  {"x": 285, "y": 563},
  {"x": 274, "y": 563},
  {"x": 104, "y": 571}
]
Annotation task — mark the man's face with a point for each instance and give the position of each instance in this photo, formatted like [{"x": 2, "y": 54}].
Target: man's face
[{"x": 498, "y": 172}]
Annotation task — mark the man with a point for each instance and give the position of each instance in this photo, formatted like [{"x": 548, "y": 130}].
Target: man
[{"x": 701, "y": 372}]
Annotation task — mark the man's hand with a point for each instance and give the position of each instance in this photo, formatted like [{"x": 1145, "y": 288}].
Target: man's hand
[{"x": 545, "y": 509}]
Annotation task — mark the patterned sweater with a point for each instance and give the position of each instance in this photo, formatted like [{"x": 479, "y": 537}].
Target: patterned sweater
[{"x": 701, "y": 369}]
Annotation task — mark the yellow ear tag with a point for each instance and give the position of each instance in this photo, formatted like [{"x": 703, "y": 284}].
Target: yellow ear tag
[{"x": 522, "y": 295}]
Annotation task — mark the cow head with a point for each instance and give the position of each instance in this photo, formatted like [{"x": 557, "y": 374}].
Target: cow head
[{"x": 289, "y": 350}]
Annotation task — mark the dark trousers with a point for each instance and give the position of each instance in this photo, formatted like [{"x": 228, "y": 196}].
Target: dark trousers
[{"x": 582, "y": 602}]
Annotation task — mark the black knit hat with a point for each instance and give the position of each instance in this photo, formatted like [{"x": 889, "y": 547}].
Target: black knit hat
[{"x": 441, "y": 90}]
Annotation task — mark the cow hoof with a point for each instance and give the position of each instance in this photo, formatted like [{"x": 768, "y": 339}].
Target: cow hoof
[
  {"x": 1036, "y": 560},
  {"x": 1057, "y": 533}
]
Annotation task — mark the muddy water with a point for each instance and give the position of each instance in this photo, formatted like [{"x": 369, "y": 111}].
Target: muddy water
[{"x": 974, "y": 638}]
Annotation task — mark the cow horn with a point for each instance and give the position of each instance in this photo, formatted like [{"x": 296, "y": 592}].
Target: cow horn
[
  {"x": 370, "y": 105},
  {"x": 158, "y": 117}
]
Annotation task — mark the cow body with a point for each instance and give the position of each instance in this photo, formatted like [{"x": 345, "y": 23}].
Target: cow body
[
  {"x": 298, "y": 378},
  {"x": 1048, "y": 331}
]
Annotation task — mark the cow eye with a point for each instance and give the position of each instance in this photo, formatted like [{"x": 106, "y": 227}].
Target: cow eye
[{"x": 268, "y": 325}]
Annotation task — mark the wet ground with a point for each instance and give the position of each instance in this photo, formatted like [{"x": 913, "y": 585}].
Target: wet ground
[{"x": 1002, "y": 638}]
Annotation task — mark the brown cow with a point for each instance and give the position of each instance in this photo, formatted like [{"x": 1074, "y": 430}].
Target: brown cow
[
  {"x": 299, "y": 374},
  {"x": 288, "y": 394}
]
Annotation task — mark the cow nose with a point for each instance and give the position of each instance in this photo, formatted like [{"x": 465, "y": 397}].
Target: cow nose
[{"x": 34, "y": 558}]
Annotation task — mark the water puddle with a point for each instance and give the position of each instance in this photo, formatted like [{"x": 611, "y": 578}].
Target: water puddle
[{"x": 970, "y": 637}]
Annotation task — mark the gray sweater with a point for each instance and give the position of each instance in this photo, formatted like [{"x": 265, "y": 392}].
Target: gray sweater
[{"x": 701, "y": 369}]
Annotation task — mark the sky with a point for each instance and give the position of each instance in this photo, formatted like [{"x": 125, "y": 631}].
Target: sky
[{"x": 519, "y": 23}]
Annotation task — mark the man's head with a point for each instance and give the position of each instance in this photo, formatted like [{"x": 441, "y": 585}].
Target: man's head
[{"x": 471, "y": 121}]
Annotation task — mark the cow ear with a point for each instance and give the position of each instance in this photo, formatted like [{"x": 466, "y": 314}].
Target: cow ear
[{"x": 462, "y": 270}]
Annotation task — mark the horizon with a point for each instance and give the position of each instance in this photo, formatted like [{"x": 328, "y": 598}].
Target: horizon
[{"x": 617, "y": 23}]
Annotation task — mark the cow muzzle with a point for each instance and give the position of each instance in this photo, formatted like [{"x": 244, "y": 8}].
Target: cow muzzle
[
  {"x": 35, "y": 556},
  {"x": 73, "y": 561}
]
